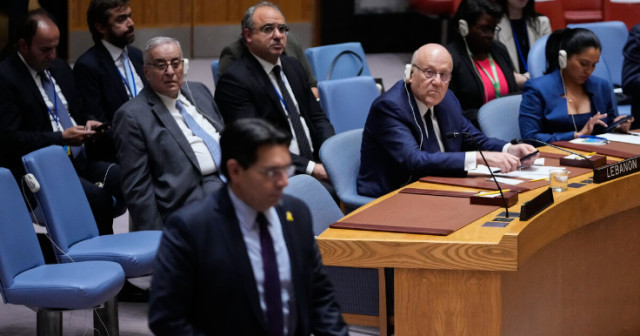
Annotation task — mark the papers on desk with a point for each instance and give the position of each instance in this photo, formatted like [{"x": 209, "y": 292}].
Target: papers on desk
[
  {"x": 632, "y": 138},
  {"x": 530, "y": 173}
]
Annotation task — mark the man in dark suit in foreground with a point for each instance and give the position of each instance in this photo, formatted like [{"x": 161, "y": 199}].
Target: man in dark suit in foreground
[
  {"x": 265, "y": 84},
  {"x": 406, "y": 135},
  {"x": 167, "y": 139},
  {"x": 244, "y": 261}
]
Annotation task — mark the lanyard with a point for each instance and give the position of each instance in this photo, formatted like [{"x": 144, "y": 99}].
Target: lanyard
[
  {"x": 515, "y": 39},
  {"x": 54, "y": 113},
  {"x": 132, "y": 92},
  {"x": 495, "y": 80}
]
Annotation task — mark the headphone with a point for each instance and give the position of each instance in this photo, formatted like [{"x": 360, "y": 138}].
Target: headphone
[
  {"x": 562, "y": 59},
  {"x": 185, "y": 66},
  {"x": 463, "y": 27},
  {"x": 407, "y": 72}
]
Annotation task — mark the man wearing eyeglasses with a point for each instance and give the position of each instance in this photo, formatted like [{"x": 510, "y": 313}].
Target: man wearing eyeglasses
[
  {"x": 409, "y": 132},
  {"x": 243, "y": 260},
  {"x": 265, "y": 84},
  {"x": 167, "y": 139}
]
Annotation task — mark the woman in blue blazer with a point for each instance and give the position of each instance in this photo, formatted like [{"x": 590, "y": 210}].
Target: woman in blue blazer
[{"x": 567, "y": 102}]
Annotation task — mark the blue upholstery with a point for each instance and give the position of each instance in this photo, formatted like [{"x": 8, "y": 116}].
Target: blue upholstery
[
  {"x": 70, "y": 223},
  {"x": 499, "y": 117},
  {"x": 347, "y": 101},
  {"x": 26, "y": 280},
  {"x": 537, "y": 61},
  {"x": 340, "y": 156},
  {"x": 347, "y": 65},
  {"x": 214, "y": 71},
  {"x": 356, "y": 289}
]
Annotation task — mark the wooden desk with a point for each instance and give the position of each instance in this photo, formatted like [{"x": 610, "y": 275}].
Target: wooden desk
[{"x": 573, "y": 269}]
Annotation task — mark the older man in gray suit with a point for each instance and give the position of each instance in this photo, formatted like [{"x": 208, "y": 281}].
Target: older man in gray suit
[{"x": 167, "y": 139}]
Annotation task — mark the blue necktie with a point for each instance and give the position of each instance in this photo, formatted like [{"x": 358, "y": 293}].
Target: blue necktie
[
  {"x": 272, "y": 286},
  {"x": 60, "y": 110},
  {"x": 209, "y": 141},
  {"x": 128, "y": 72},
  {"x": 432, "y": 142}
]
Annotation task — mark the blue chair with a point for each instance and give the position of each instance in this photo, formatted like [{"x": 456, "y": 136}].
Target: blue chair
[
  {"x": 499, "y": 117},
  {"x": 340, "y": 156},
  {"x": 337, "y": 61},
  {"x": 214, "y": 71},
  {"x": 26, "y": 280},
  {"x": 71, "y": 225},
  {"x": 357, "y": 290},
  {"x": 537, "y": 61},
  {"x": 347, "y": 101}
]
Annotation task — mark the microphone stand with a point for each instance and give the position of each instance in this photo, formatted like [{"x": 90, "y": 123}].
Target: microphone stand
[{"x": 517, "y": 141}]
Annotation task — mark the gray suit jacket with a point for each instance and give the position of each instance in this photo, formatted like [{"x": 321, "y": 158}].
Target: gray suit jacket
[{"x": 160, "y": 172}]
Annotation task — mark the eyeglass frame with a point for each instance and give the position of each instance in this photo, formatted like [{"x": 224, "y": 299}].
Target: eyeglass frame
[
  {"x": 433, "y": 74},
  {"x": 162, "y": 66},
  {"x": 282, "y": 29},
  {"x": 273, "y": 172},
  {"x": 487, "y": 31}
]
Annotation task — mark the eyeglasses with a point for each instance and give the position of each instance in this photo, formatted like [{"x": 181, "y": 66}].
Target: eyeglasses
[
  {"x": 274, "y": 172},
  {"x": 489, "y": 30},
  {"x": 270, "y": 28},
  {"x": 430, "y": 74},
  {"x": 162, "y": 66}
]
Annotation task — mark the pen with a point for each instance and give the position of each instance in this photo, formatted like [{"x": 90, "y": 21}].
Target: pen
[
  {"x": 589, "y": 154},
  {"x": 487, "y": 193},
  {"x": 539, "y": 179}
]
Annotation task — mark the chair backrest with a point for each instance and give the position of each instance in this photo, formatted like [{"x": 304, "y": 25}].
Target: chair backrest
[
  {"x": 324, "y": 210},
  {"x": 499, "y": 117},
  {"x": 613, "y": 36},
  {"x": 19, "y": 248},
  {"x": 335, "y": 61},
  {"x": 67, "y": 214},
  {"x": 347, "y": 101},
  {"x": 214, "y": 71}
]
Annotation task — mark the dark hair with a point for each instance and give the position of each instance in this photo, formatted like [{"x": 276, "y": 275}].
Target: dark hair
[
  {"x": 528, "y": 12},
  {"x": 471, "y": 10},
  {"x": 241, "y": 140},
  {"x": 29, "y": 25},
  {"x": 571, "y": 40},
  {"x": 98, "y": 12},
  {"x": 247, "y": 19}
]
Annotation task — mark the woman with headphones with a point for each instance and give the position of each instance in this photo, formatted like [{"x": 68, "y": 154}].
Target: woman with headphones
[
  {"x": 521, "y": 27},
  {"x": 567, "y": 102},
  {"x": 482, "y": 69}
]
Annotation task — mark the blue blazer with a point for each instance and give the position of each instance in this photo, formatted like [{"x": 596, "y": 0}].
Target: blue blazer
[
  {"x": 203, "y": 282},
  {"x": 392, "y": 154},
  {"x": 631, "y": 72},
  {"x": 543, "y": 111}
]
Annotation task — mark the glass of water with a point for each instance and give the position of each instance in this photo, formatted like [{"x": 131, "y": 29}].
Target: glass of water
[{"x": 558, "y": 179}]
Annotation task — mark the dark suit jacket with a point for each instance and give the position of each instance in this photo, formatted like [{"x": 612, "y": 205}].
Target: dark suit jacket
[
  {"x": 391, "y": 155},
  {"x": 245, "y": 91},
  {"x": 631, "y": 72},
  {"x": 466, "y": 84},
  {"x": 203, "y": 283},
  {"x": 24, "y": 120},
  {"x": 160, "y": 172}
]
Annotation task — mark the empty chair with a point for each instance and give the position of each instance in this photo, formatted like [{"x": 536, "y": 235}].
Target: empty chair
[
  {"x": 357, "y": 289},
  {"x": 26, "y": 280},
  {"x": 70, "y": 222},
  {"x": 335, "y": 61},
  {"x": 214, "y": 71},
  {"x": 499, "y": 118},
  {"x": 340, "y": 156},
  {"x": 347, "y": 101}
]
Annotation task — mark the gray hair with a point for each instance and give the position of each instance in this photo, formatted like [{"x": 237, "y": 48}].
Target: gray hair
[
  {"x": 157, "y": 41},
  {"x": 247, "y": 19}
]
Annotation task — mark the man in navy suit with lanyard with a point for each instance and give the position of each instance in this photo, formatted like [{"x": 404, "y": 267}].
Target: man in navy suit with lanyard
[{"x": 110, "y": 73}]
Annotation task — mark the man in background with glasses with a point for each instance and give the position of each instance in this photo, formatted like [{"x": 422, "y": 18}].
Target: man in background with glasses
[
  {"x": 265, "y": 84},
  {"x": 409, "y": 132},
  {"x": 244, "y": 261},
  {"x": 167, "y": 139}
]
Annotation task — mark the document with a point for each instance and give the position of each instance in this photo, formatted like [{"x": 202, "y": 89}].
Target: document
[
  {"x": 626, "y": 138},
  {"x": 530, "y": 173}
]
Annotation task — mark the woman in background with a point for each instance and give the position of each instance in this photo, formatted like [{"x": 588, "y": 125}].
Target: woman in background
[
  {"x": 521, "y": 27},
  {"x": 567, "y": 102}
]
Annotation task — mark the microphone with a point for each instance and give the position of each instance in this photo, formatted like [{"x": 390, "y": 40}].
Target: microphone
[
  {"x": 472, "y": 137},
  {"x": 517, "y": 141}
]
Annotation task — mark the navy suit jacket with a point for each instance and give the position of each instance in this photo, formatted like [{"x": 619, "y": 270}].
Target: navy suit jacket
[
  {"x": 203, "y": 282},
  {"x": 160, "y": 172},
  {"x": 245, "y": 91},
  {"x": 631, "y": 73},
  {"x": 24, "y": 119},
  {"x": 393, "y": 153}
]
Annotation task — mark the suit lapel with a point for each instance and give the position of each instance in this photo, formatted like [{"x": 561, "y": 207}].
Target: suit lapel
[
  {"x": 109, "y": 66},
  {"x": 445, "y": 127},
  {"x": 200, "y": 104},
  {"x": 261, "y": 77},
  {"x": 287, "y": 221},
  {"x": 29, "y": 83}
]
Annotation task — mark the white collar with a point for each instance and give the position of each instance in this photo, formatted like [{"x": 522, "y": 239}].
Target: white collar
[
  {"x": 114, "y": 51},
  {"x": 268, "y": 67}
]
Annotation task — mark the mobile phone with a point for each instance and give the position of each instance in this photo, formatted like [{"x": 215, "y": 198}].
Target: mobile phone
[
  {"x": 102, "y": 127},
  {"x": 617, "y": 123}
]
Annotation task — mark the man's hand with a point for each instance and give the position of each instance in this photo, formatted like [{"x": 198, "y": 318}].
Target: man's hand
[
  {"x": 91, "y": 125},
  {"x": 522, "y": 150},
  {"x": 506, "y": 162},
  {"x": 76, "y": 135},
  {"x": 319, "y": 172}
]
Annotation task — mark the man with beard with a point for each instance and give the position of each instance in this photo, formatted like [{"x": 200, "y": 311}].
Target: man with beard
[{"x": 110, "y": 73}]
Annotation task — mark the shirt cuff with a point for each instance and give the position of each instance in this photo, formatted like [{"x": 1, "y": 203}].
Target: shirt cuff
[
  {"x": 505, "y": 148},
  {"x": 470, "y": 161},
  {"x": 310, "y": 167}
]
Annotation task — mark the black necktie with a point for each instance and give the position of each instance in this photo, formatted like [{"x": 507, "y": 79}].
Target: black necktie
[
  {"x": 294, "y": 116},
  {"x": 432, "y": 142},
  {"x": 272, "y": 287}
]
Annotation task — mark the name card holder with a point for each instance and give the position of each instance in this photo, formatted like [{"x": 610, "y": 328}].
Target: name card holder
[
  {"x": 576, "y": 161},
  {"x": 615, "y": 170},
  {"x": 537, "y": 204}
]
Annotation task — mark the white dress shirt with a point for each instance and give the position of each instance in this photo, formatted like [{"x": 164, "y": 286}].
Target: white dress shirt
[{"x": 116, "y": 55}]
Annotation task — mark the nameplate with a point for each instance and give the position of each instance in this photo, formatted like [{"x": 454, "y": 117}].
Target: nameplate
[
  {"x": 615, "y": 170},
  {"x": 537, "y": 204}
]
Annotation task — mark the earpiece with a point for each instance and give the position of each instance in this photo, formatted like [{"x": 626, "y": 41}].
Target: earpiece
[
  {"x": 463, "y": 27},
  {"x": 186, "y": 66},
  {"x": 562, "y": 59},
  {"x": 32, "y": 183},
  {"x": 407, "y": 72}
]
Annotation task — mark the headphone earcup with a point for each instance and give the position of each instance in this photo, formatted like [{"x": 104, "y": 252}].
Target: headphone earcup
[
  {"x": 407, "y": 73},
  {"x": 562, "y": 59},
  {"x": 463, "y": 28}
]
